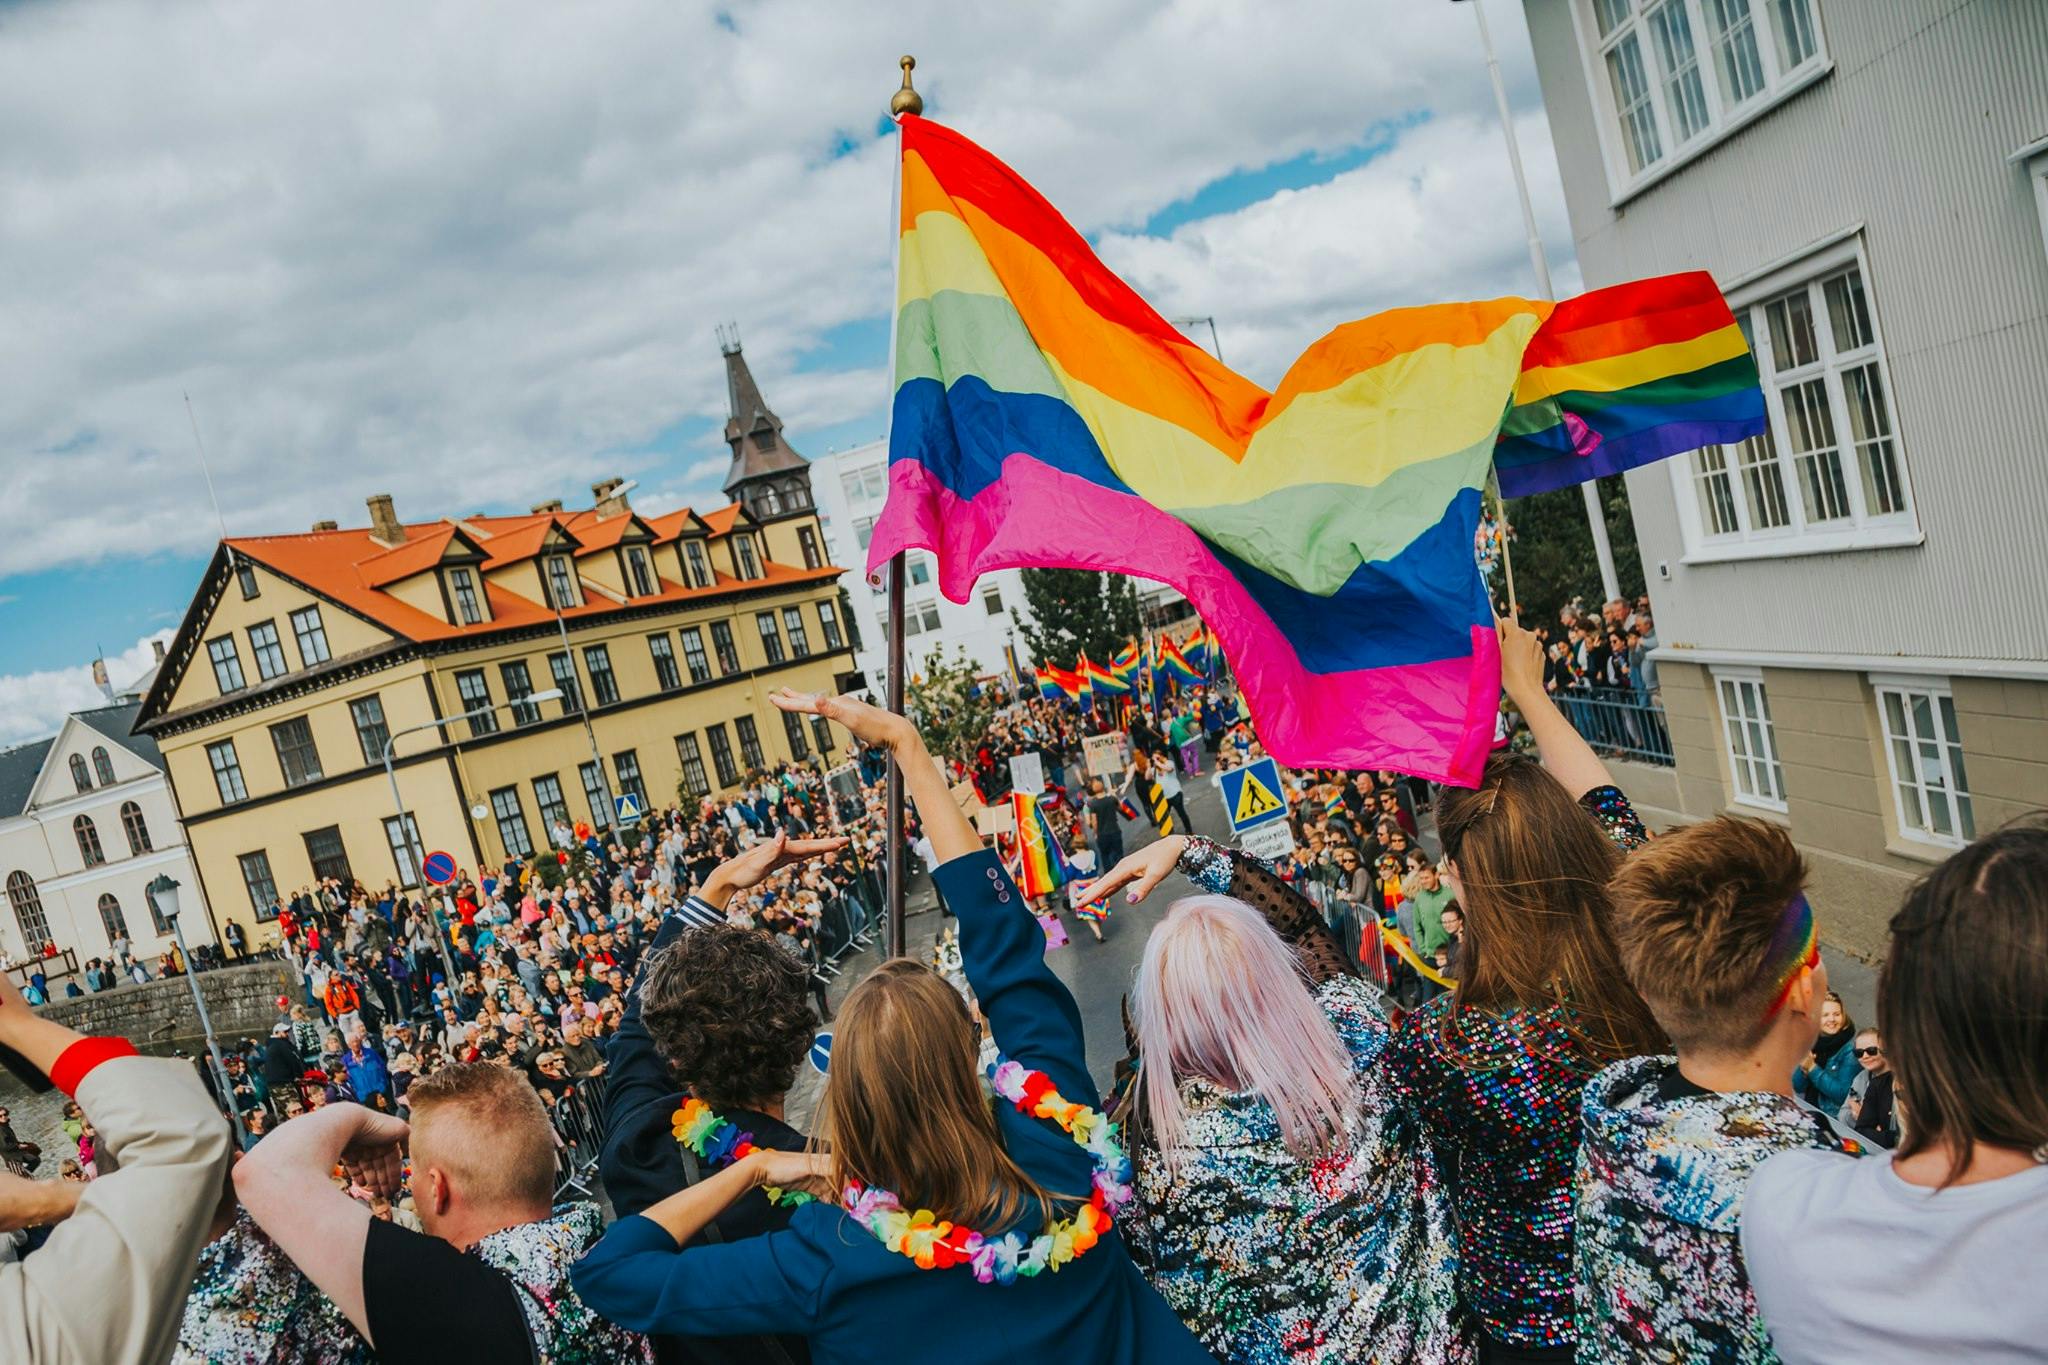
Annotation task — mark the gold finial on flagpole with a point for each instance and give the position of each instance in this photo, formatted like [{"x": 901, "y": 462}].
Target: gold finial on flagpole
[{"x": 906, "y": 100}]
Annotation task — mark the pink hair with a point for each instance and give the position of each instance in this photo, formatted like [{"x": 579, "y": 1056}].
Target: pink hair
[{"x": 1220, "y": 998}]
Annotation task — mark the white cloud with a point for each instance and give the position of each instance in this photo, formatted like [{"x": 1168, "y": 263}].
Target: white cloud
[{"x": 33, "y": 705}]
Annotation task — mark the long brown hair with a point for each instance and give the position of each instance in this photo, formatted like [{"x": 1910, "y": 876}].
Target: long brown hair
[
  {"x": 1533, "y": 868},
  {"x": 904, "y": 1108},
  {"x": 1959, "y": 1002}
]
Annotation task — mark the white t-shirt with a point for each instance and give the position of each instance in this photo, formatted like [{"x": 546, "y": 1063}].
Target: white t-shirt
[{"x": 1850, "y": 1262}]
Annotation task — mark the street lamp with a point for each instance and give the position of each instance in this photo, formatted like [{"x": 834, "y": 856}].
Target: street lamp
[
  {"x": 163, "y": 893},
  {"x": 406, "y": 826}
]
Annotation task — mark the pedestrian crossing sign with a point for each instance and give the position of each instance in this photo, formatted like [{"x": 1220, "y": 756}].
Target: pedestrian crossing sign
[
  {"x": 629, "y": 808},
  {"x": 1251, "y": 795}
]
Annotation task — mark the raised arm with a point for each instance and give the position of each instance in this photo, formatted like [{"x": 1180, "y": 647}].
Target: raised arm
[{"x": 1564, "y": 751}]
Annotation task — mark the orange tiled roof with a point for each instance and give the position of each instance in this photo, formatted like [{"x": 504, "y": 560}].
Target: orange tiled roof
[{"x": 721, "y": 521}]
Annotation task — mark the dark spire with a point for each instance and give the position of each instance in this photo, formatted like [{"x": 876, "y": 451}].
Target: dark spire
[{"x": 752, "y": 430}]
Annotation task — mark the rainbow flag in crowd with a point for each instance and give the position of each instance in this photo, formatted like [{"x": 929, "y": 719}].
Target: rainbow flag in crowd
[
  {"x": 1046, "y": 415},
  {"x": 1103, "y": 680},
  {"x": 1125, "y": 665},
  {"x": 1195, "y": 651},
  {"x": 1048, "y": 686},
  {"x": 1176, "y": 665},
  {"x": 1043, "y": 863}
]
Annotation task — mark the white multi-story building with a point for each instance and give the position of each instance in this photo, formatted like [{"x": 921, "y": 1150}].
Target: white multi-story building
[
  {"x": 850, "y": 487},
  {"x": 86, "y": 824}
]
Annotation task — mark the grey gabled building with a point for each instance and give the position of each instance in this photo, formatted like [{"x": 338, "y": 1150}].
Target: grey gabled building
[{"x": 1853, "y": 611}]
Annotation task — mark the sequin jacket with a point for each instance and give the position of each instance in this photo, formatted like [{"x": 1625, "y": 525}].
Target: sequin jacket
[
  {"x": 1502, "y": 1121},
  {"x": 1660, "y": 1185},
  {"x": 1269, "y": 1258}
]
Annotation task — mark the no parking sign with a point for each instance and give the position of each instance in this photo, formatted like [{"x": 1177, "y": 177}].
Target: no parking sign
[{"x": 439, "y": 868}]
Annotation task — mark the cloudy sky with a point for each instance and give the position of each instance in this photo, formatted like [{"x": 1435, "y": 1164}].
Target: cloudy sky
[{"x": 473, "y": 254}]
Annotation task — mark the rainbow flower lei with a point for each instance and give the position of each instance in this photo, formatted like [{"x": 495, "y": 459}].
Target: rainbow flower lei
[{"x": 934, "y": 1243}]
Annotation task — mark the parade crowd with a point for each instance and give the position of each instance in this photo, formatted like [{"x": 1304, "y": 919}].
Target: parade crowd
[{"x": 1483, "y": 1074}]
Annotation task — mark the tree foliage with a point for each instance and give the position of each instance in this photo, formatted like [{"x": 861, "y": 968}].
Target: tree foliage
[
  {"x": 950, "y": 707},
  {"x": 1553, "y": 555},
  {"x": 1077, "y": 610}
]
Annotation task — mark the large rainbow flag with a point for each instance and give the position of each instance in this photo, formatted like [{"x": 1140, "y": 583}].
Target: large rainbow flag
[
  {"x": 1045, "y": 415},
  {"x": 1042, "y": 863}
]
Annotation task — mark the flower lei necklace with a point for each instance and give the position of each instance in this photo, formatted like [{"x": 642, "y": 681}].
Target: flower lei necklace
[{"x": 936, "y": 1244}]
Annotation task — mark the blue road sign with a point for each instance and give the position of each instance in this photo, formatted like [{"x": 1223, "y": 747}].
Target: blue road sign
[
  {"x": 439, "y": 868},
  {"x": 1253, "y": 796},
  {"x": 821, "y": 1051},
  {"x": 629, "y": 808}
]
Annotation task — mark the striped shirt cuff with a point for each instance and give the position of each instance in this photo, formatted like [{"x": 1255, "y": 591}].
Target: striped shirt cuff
[{"x": 698, "y": 912}]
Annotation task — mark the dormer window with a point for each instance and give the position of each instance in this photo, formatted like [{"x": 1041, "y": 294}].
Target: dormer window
[
  {"x": 765, "y": 438},
  {"x": 699, "y": 567},
  {"x": 462, "y": 587},
  {"x": 750, "y": 567},
  {"x": 643, "y": 574},
  {"x": 562, "y": 591}
]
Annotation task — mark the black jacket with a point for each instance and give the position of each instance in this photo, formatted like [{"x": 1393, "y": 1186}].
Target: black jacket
[{"x": 282, "y": 1065}]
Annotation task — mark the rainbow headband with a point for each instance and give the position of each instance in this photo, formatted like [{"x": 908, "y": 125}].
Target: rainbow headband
[{"x": 1794, "y": 948}]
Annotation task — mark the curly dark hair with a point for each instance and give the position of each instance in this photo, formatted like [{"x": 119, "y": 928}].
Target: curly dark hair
[{"x": 730, "y": 1013}]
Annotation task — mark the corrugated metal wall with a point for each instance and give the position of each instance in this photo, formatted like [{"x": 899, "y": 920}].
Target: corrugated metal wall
[{"x": 1909, "y": 135}]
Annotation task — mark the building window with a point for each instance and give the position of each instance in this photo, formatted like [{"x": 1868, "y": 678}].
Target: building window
[
  {"x": 264, "y": 644},
  {"x": 245, "y": 575},
  {"x": 694, "y": 656},
  {"x": 992, "y": 600},
  {"x": 511, "y": 822},
  {"x": 102, "y": 765},
  {"x": 828, "y": 622},
  {"x": 227, "y": 664},
  {"x": 518, "y": 687},
  {"x": 27, "y": 904},
  {"x": 796, "y": 496},
  {"x": 328, "y": 855},
  {"x": 919, "y": 617},
  {"x": 750, "y": 742},
  {"x": 664, "y": 654},
  {"x": 1924, "y": 750},
  {"x": 699, "y": 567},
  {"x": 793, "y": 622},
  {"x": 227, "y": 772},
  {"x": 603, "y": 686},
  {"x": 135, "y": 828},
  {"x": 403, "y": 836},
  {"x": 468, "y": 610},
  {"x": 261, "y": 886},
  {"x": 81, "y": 778},
  {"x": 1752, "y": 744},
  {"x": 793, "y": 729},
  {"x": 626, "y": 767},
  {"x": 371, "y": 732},
  {"x": 554, "y": 809},
  {"x": 721, "y": 755},
  {"x": 1830, "y": 473},
  {"x": 771, "y": 638},
  {"x": 866, "y": 484},
  {"x": 562, "y": 590},
  {"x": 1650, "y": 70},
  {"x": 112, "y": 920},
  {"x": 88, "y": 836},
  {"x": 695, "y": 782},
  {"x": 920, "y": 574},
  {"x": 594, "y": 793},
  {"x": 475, "y": 691},
  {"x": 771, "y": 498},
  {"x": 807, "y": 539},
  {"x": 821, "y": 731},
  {"x": 642, "y": 573},
  {"x": 765, "y": 439},
  {"x": 864, "y": 530},
  {"x": 743, "y": 547},
  {"x": 296, "y": 756},
  {"x": 312, "y": 635},
  {"x": 563, "y": 669},
  {"x": 722, "y": 645}
]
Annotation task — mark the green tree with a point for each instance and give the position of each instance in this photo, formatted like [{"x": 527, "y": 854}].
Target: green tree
[
  {"x": 1077, "y": 610},
  {"x": 1552, "y": 549},
  {"x": 952, "y": 709}
]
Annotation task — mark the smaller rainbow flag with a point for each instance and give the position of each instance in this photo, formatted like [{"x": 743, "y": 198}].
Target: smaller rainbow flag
[
  {"x": 1048, "y": 686},
  {"x": 1065, "y": 683},
  {"x": 1194, "y": 651},
  {"x": 1125, "y": 665},
  {"x": 1176, "y": 665},
  {"x": 1043, "y": 866},
  {"x": 1103, "y": 680}
]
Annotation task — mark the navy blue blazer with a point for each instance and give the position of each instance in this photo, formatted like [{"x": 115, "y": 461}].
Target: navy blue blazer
[{"x": 827, "y": 1277}]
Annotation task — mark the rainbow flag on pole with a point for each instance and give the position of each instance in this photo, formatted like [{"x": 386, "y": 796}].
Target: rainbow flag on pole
[
  {"x": 1046, "y": 415},
  {"x": 1175, "y": 664},
  {"x": 1125, "y": 665},
  {"x": 1048, "y": 686},
  {"x": 1103, "y": 680},
  {"x": 1043, "y": 863}
]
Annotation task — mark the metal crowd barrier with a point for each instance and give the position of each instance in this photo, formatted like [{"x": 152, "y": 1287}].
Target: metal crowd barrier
[
  {"x": 579, "y": 1131},
  {"x": 1621, "y": 723}
]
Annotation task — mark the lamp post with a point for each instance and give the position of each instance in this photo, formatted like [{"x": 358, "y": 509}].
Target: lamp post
[
  {"x": 405, "y": 824},
  {"x": 164, "y": 892}
]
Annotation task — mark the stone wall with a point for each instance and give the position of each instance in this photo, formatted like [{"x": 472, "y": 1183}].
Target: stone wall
[{"x": 158, "y": 1016}]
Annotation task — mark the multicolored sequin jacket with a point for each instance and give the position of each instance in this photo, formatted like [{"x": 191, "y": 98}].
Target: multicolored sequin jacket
[
  {"x": 1501, "y": 1117},
  {"x": 1270, "y": 1259},
  {"x": 1660, "y": 1185},
  {"x": 251, "y": 1306}
]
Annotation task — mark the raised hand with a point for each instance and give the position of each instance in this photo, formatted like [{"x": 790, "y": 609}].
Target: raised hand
[
  {"x": 372, "y": 1158},
  {"x": 753, "y": 867},
  {"x": 869, "y": 724},
  {"x": 1141, "y": 871}
]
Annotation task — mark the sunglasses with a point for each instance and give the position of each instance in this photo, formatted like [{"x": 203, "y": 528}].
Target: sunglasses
[{"x": 1870, "y": 1052}]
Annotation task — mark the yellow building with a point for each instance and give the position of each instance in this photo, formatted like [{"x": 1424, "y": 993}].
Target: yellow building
[{"x": 301, "y": 655}]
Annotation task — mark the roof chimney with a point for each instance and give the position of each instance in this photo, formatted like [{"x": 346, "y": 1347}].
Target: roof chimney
[
  {"x": 327, "y": 526},
  {"x": 384, "y": 527},
  {"x": 610, "y": 500},
  {"x": 158, "y": 645},
  {"x": 551, "y": 505}
]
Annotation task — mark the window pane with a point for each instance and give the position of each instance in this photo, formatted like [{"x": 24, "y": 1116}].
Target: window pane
[
  {"x": 1849, "y": 312},
  {"x": 1763, "y": 483},
  {"x": 262, "y": 888},
  {"x": 554, "y": 810},
  {"x": 793, "y": 728},
  {"x": 793, "y": 622},
  {"x": 603, "y": 686},
  {"x": 721, "y": 755},
  {"x": 475, "y": 691},
  {"x": 519, "y": 686},
  {"x": 371, "y": 731},
  {"x": 227, "y": 772},
  {"x": 1810, "y": 424},
  {"x": 1610, "y": 13},
  {"x": 1736, "y": 59},
  {"x": 750, "y": 742},
  {"x": 828, "y": 618},
  {"x": 511, "y": 817},
  {"x": 312, "y": 636},
  {"x": 396, "y": 835},
  {"x": 594, "y": 793},
  {"x": 693, "y": 655},
  {"x": 563, "y": 671},
  {"x": 1952, "y": 737},
  {"x": 467, "y": 610},
  {"x": 1792, "y": 340},
  {"x": 664, "y": 656},
  {"x": 1796, "y": 41},
  {"x": 1631, "y": 106},
  {"x": 1716, "y": 491},
  {"x": 296, "y": 756},
  {"x": 327, "y": 853},
  {"x": 1685, "y": 96},
  {"x": 771, "y": 638},
  {"x": 227, "y": 664},
  {"x": 722, "y": 646},
  {"x": 695, "y": 782},
  {"x": 1870, "y": 426}
]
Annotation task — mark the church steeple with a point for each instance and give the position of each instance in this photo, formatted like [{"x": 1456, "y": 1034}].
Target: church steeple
[{"x": 765, "y": 471}]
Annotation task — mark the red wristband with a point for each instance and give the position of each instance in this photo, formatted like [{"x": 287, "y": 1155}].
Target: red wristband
[{"x": 76, "y": 1062}]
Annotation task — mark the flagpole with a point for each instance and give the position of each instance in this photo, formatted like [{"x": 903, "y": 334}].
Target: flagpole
[{"x": 905, "y": 101}]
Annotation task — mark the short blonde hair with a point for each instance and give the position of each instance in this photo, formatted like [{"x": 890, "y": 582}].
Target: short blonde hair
[{"x": 499, "y": 1145}]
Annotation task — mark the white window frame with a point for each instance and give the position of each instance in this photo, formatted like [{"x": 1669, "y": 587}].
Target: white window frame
[
  {"x": 1780, "y": 84},
  {"x": 1858, "y": 531},
  {"x": 1748, "y": 684},
  {"x": 1955, "y": 788}
]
